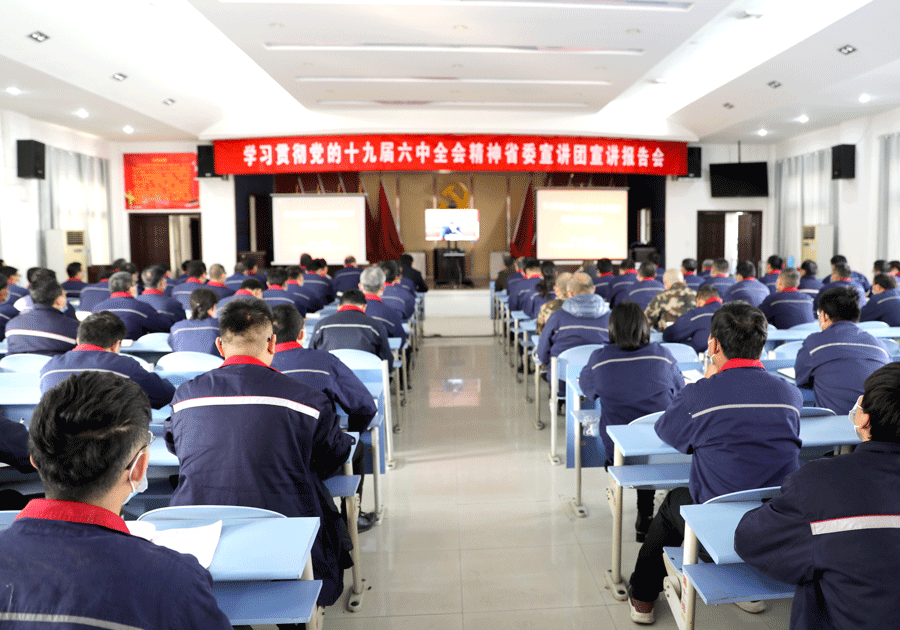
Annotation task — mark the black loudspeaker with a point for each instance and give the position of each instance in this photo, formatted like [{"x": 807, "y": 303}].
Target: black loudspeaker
[
  {"x": 30, "y": 154},
  {"x": 206, "y": 163},
  {"x": 843, "y": 161},
  {"x": 693, "y": 162}
]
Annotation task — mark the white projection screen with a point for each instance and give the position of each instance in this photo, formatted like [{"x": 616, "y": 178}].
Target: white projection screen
[
  {"x": 325, "y": 226},
  {"x": 582, "y": 223}
]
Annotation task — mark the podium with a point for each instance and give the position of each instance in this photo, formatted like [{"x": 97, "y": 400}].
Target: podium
[{"x": 449, "y": 266}]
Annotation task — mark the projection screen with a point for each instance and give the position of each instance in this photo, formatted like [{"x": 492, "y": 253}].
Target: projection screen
[
  {"x": 325, "y": 226},
  {"x": 582, "y": 223}
]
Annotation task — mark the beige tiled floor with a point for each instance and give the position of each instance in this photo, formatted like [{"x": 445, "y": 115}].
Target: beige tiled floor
[{"x": 476, "y": 535}]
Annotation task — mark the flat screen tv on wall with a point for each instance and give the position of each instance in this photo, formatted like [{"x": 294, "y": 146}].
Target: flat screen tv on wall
[{"x": 742, "y": 179}]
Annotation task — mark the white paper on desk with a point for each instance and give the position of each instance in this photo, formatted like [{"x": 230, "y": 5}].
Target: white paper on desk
[
  {"x": 200, "y": 542},
  {"x": 692, "y": 376},
  {"x": 789, "y": 372}
]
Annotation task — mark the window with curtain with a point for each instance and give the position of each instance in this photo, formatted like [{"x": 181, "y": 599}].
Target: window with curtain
[
  {"x": 804, "y": 195},
  {"x": 75, "y": 196},
  {"x": 888, "y": 196}
]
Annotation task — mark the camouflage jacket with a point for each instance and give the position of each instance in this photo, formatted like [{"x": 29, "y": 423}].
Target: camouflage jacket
[
  {"x": 669, "y": 305},
  {"x": 546, "y": 311}
]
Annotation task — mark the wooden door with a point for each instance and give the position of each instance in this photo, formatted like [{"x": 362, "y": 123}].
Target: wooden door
[
  {"x": 710, "y": 235},
  {"x": 149, "y": 239},
  {"x": 750, "y": 237}
]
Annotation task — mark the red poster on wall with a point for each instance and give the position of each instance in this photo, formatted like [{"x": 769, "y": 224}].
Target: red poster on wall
[{"x": 161, "y": 181}]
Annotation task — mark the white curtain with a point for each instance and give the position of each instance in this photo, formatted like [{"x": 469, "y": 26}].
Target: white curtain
[
  {"x": 888, "y": 196},
  {"x": 75, "y": 196},
  {"x": 804, "y": 195}
]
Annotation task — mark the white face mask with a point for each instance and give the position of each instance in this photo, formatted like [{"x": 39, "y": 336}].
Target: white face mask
[{"x": 142, "y": 485}]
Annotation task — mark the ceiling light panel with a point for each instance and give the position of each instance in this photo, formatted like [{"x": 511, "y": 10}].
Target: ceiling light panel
[
  {"x": 473, "y": 104},
  {"x": 118, "y": 76},
  {"x": 39, "y": 37},
  {"x": 846, "y": 50},
  {"x": 602, "y": 5},
  {"x": 451, "y": 48},
  {"x": 774, "y": 84},
  {"x": 13, "y": 91},
  {"x": 447, "y": 80}
]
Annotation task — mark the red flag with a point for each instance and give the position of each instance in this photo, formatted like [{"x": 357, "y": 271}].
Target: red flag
[
  {"x": 373, "y": 236},
  {"x": 389, "y": 239},
  {"x": 524, "y": 241}
]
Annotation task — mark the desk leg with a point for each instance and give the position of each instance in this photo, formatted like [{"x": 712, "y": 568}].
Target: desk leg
[
  {"x": 688, "y": 595},
  {"x": 355, "y": 597},
  {"x": 512, "y": 352},
  {"x": 537, "y": 398},
  {"x": 614, "y": 576},
  {"x": 554, "y": 420},
  {"x": 577, "y": 507},
  {"x": 376, "y": 472},
  {"x": 526, "y": 361},
  {"x": 524, "y": 376},
  {"x": 388, "y": 416}
]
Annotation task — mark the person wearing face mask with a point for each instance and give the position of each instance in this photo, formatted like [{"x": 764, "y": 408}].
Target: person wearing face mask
[
  {"x": 44, "y": 329},
  {"x": 835, "y": 529},
  {"x": 69, "y": 559}
]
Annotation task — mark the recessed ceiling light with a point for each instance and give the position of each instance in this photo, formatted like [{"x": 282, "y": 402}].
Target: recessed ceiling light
[
  {"x": 658, "y": 81},
  {"x": 118, "y": 76},
  {"x": 752, "y": 14},
  {"x": 728, "y": 105},
  {"x": 774, "y": 84},
  {"x": 762, "y": 132},
  {"x": 451, "y": 48},
  {"x": 39, "y": 37},
  {"x": 803, "y": 118},
  {"x": 276, "y": 24},
  {"x": 633, "y": 31},
  {"x": 169, "y": 101},
  {"x": 460, "y": 27},
  {"x": 14, "y": 91},
  {"x": 457, "y": 65},
  {"x": 128, "y": 129},
  {"x": 450, "y": 80},
  {"x": 846, "y": 50},
  {"x": 81, "y": 113},
  {"x": 864, "y": 98}
]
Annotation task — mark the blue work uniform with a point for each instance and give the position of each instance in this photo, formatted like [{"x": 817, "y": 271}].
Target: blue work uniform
[
  {"x": 833, "y": 532},
  {"x": 856, "y": 277},
  {"x": 619, "y": 284},
  {"x": 810, "y": 286},
  {"x": 195, "y": 335},
  {"x": 345, "y": 279},
  {"x": 692, "y": 328},
  {"x": 836, "y": 362},
  {"x": 582, "y": 320},
  {"x": 182, "y": 292},
  {"x": 240, "y": 294},
  {"x": 89, "y": 358},
  {"x": 73, "y": 288},
  {"x": 25, "y": 304},
  {"x": 693, "y": 281},
  {"x": 220, "y": 289},
  {"x": 277, "y": 295},
  {"x": 93, "y": 294},
  {"x": 14, "y": 445},
  {"x": 408, "y": 284},
  {"x": 840, "y": 284},
  {"x": 520, "y": 289},
  {"x": 15, "y": 292},
  {"x": 301, "y": 301},
  {"x": 722, "y": 283},
  {"x": 67, "y": 565},
  {"x": 788, "y": 308},
  {"x": 641, "y": 292},
  {"x": 535, "y": 302},
  {"x": 603, "y": 285},
  {"x": 139, "y": 317},
  {"x": 400, "y": 300},
  {"x": 413, "y": 274},
  {"x": 771, "y": 280},
  {"x": 42, "y": 330},
  {"x": 350, "y": 328},
  {"x": 321, "y": 287},
  {"x": 389, "y": 317},
  {"x": 247, "y": 435},
  {"x": 749, "y": 290},
  {"x": 884, "y": 307},
  {"x": 169, "y": 308},
  {"x": 7, "y": 312},
  {"x": 234, "y": 281},
  {"x": 629, "y": 384}
]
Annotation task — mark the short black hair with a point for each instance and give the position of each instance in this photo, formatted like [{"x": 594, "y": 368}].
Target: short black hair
[
  {"x": 406, "y": 260},
  {"x": 604, "y": 265},
  {"x": 389, "y": 267},
  {"x": 252, "y": 284},
  {"x": 240, "y": 267},
  {"x": 101, "y": 329},
  {"x": 745, "y": 269},
  {"x": 240, "y": 316},
  {"x": 349, "y": 260},
  {"x": 8, "y": 271},
  {"x": 531, "y": 263},
  {"x": 288, "y": 323},
  {"x": 842, "y": 270},
  {"x": 195, "y": 268},
  {"x": 119, "y": 264},
  {"x": 881, "y": 400},
  {"x": 689, "y": 264},
  {"x": 152, "y": 276},
  {"x": 775, "y": 262},
  {"x": 130, "y": 268},
  {"x": 305, "y": 260},
  {"x": 810, "y": 268},
  {"x": 85, "y": 431},
  {"x": 184, "y": 265},
  {"x": 647, "y": 270},
  {"x": 278, "y": 276},
  {"x": 4, "y": 282},
  {"x": 720, "y": 265},
  {"x": 840, "y": 304},
  {"x": 120, "y": 282},
  {"x": 655, "y": 258},
  {"x": 202, "y": 299},
  {"x": 894, "y": 264},
  {"x": 740, "y": 329},
  {"x": 294, "y": 272},
  {"x": 885, "y": 280},
  {"x": 628, "y": 326},
  {"x": 73, "y": 268},
  {"x": 838, "y": 258},
  {"x": 707, "y": 291},
  {"x": 628, "y": 263},
  {"x": 44, "y": 290},
  {"x": 354, "y": 297},
  {"x": 33, "y": 272},
  {"x": 879, "y": 266}
]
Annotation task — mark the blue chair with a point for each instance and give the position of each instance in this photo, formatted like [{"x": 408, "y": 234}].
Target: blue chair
[
  {"x": 151, "y": 346},
  {"x": 788, "y": 350},
  {"x": 682, "y": 352},
  {"x": 204, "y": 512},
  {"x": 25, "y": 362},
  {"x": 558, "y": 366},
  {"x": 180, "y": 367},
  {"x": 807, "y": 326},
  {"x": 872, "y": 325}
]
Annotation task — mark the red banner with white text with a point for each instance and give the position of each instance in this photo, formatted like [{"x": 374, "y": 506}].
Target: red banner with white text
[{"x": 433, "y": 152}]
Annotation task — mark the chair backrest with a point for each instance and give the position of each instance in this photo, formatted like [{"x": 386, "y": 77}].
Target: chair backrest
[
  {"x": 872, "y": 325},
  {"x": 788, "y": 350},
  {"x": 893, "y": 347},
  {"x": 7, "y": 517},
  {"x": 152, "y": 341},
  {"x": 82, "y": 315},
  {"x": 682, "y": 352},
  {"x": 650, "y": 418},
  {"x": 816, "y": 412},
  {"x": 202, "y": 512},
  {"x": 143, "y": 363},
  {"x": 20, "y": 381},
  {"x": 576, "y": 358},
  {"x": 747, "y": 495},
  {"x": 188, "y": 362},
  {"x": 806, "y": 326},
  {"x": 30, "y": 363},
  {"x": 358, "y": 359}
]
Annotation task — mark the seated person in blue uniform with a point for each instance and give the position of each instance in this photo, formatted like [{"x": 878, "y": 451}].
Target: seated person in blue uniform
[
  {"x": 884, "y": 305},
  {"x": 774, "y": 265},
  {"x": 351, "y": 328},
  {"x": 631, "y": 377},
  {"x": 706, "y": 267},
  {"x": 719, "y": 276},
  {"x": 14, "y": 452},
  {"x": 140, "y": 318},
  {"x": 692, "y": 328},
  {"x": 248, "y": 435},
  {"x": 196, "y": 277},
  {"x": 15, "y": 291},
  {"x": 316, "y": 279},
  {"x": 250, "y": 288},
  {"x": 855, "y": 276},
  {"x": 657, "y": 260},
  {"x": 833, "y": 531},
  {"x": 294, "y": 286},
  {"x": 45, "y": 329},
  {"x": 809, "y": 284},
  {"x": 531, "y": 276},
  {"x": 25, "y": 303},
  {"x": 788, "y": 307},
  {"x": 509, "y": 267},
  {"x": 894, "y": 268},
  {"x": 75, "y": 283},
  {"x": 583, "y": 319},
  {"x": 277, "y": 293},
  {"x": 93, "y": 294},
  {"x": 199, "y": 333},
  {"x": 347, "y": 277},
  {"x": 542, "y": 292},
  {"x": 842, "y": 277},
  {"x": 836, "y": 361},
  {"x": 746, "y": 287},
  {"x": 742, "y": 425},
  {"x": 621, "y": 283},
  {"x": 7, "y": 310},
  {"x": 217, "y": 277},
  {"x": 414, "y": 275},
  {"x": 604, "y": 279},
  {"x": 154, "y": 294},
  {"x": 241, "y": 273},
  {"x": 395, "y": 295},
  {"x": 324, "y": 372},
  {"x": 372, "y": 282},
  {"x": 68, "y": 560},
  {"x": 644, "y": 290},
  {"x": 100, "y": 338},
  {"x": 689, "y": 272}
]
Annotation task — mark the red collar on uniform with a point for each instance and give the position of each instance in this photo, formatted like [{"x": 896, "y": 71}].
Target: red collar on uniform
[
  {"x": 152, "y": 292},
  {"x": 688, "y": 273},
  {"x": 718, "y": 275},
  {"x": 73, "y": 280},
  {"x": 711, "y": 300},
  {"x": 372, "y": 296},
  {"x": 244, "y": 292},
  {"x": 120, "y": 294},
  {"x": 645, "y": 279},
  {"x": 774, "y": 273},
  {"x": 532, "y": 276},
  {"x": 196, "y": 280},
  {"x": 287, "y": 345},
  {"x": 277, "y": 287},
  {"x": 213, "y": 283},
  {"x": 608, "y": 273},
  {"x": 741, "y": 363},
  {"x": 293, "y": 282},
  {"x": 87, "y": 347},
  {"x": 750, "y": 278},
  {"x": 73, "y": 512},
  {"x": 788, "y": 289},
  {"x": 631, "y": 271},
  {"x": 351, "y": 307},
  {"x": 244, "y": 360}
]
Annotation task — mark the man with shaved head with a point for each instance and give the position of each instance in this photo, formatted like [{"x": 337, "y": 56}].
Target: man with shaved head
[{"x": 582, "y": 319}]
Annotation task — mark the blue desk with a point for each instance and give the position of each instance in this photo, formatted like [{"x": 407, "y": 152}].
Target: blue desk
[
  {"x": 19, "y": 394},
  {"x": 151, "y": 348}
]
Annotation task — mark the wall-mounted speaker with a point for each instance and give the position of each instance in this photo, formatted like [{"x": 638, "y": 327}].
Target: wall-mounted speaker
[
  {"x": 30, "y": 159},
  {"x": 206, "y": 163},
  {"x": 693, "y": 162},
  {"x": 843, "y": 161}
]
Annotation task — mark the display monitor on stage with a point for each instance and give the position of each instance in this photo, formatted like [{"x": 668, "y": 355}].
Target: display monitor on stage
[
  {"x": 326, "y": 226},
  {"x": 582, "y": 223},
  {"x": 451, "y": 224}
]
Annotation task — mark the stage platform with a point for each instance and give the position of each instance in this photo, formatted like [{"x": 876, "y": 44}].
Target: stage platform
[{"x": 462, "y": 312}]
